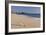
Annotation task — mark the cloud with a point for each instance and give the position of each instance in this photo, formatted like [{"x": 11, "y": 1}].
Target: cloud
[{"x": 25, "y": 9}]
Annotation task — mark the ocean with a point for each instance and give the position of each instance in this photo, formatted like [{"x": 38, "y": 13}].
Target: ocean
[
  {"x": 27, "y": 14},
  {"x": 33, "y": 15}
]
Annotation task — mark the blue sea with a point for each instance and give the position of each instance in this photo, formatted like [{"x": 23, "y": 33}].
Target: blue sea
[{"x": 33, "y": 15}]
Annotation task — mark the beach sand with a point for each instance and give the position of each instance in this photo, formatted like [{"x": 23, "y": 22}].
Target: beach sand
[{"x": 22, "y": 21}]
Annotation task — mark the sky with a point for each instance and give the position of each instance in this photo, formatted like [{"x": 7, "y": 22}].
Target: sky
[{"x": 34, "y": 10}]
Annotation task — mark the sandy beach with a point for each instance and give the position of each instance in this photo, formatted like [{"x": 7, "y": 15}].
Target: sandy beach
[{"x": 22, "y": 21}]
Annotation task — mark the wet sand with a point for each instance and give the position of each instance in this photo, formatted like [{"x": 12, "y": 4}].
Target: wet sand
[{"x": 22, "y": 21}]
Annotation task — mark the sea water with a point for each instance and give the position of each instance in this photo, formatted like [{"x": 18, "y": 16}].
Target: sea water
[{"x": 32, "y": 15}]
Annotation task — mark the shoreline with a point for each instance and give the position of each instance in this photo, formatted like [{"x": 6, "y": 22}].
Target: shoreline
[{"x": 22, "y": 21}]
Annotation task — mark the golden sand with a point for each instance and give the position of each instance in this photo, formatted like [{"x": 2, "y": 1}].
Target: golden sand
[{"x": 21, "y": 21}]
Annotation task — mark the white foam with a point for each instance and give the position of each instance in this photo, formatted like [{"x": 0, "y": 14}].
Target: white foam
[{"x": 35, "y": 18}]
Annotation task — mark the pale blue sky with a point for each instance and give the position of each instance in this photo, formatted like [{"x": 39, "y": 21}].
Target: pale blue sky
[{"x": 34, "y": 10}]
